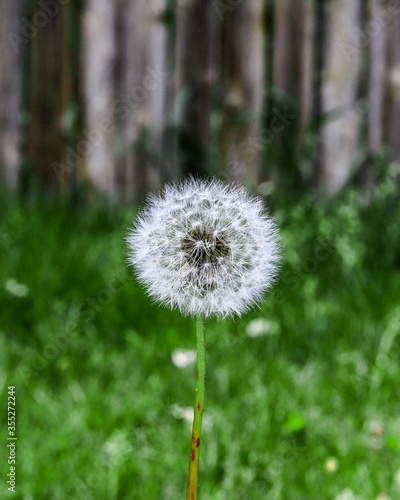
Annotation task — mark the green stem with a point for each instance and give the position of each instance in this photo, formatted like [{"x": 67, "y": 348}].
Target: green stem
[{"x": 198, "y": 411}]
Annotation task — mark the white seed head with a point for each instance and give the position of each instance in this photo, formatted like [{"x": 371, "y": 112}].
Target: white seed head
[{"x": 205, "y": 247}]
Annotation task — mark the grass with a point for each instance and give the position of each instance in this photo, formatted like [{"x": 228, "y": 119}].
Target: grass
[{"x": 307, "y": 410}]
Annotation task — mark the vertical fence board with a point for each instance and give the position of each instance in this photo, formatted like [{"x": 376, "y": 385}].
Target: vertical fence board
[
  {"x": 11, "y": 47},
  {"x": 49, "y": 92},
  {"x": 392, "y": 116},
  {"x": 98, "y": 52},
  {"x": 194, "y": 82},
  {"x": 243, "y": 73},
  {"x": 377, "y": 76},
  {"x": 342, "y": 59}
]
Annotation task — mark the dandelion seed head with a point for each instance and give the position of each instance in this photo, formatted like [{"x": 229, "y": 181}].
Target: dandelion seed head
[{"x": 205, "y": 247}]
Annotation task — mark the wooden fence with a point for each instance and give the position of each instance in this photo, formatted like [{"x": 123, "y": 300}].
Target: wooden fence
[{"x": 128, "y": 94}]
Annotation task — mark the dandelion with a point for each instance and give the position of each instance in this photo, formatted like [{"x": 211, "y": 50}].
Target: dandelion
[
  {"x": 205, "y": 247},
  {"x": 208, "y": 249}
]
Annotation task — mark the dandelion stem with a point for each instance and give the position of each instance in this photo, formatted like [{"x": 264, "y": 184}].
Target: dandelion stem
[{"x": 198, "y": 411}]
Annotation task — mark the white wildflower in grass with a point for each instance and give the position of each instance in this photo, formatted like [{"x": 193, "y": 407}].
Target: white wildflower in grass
[
  {"x": 182, "y": 413},
  {"x": 17, "y": 289},
  {"x": 346, "y": 494},
  {"x": 205, "y": 247},
  {"x": 261, "y": 326},
  {"x": 117, "y": 448},
  {"x": 182, "y": 358},
  {"x": 209, "y": 249}
]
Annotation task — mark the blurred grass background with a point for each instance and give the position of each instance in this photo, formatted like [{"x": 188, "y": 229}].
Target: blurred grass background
[{"x": 302, "y": 395}]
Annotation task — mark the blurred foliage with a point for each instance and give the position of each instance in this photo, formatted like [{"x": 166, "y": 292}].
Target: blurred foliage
[{"x": 303, "y": 404}]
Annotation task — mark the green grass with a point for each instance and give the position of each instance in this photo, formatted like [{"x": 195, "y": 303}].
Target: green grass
[{"x": 308, "y": 411}]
